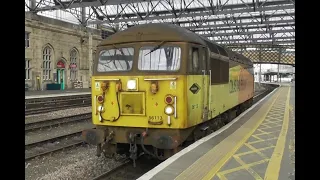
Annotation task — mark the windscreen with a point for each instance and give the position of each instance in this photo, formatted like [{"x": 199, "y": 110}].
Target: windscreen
[
  {"x": 118, "y": 59},
  {"x": 164, "y": 58}
]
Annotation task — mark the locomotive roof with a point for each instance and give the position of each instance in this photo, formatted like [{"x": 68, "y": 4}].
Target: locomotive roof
[
  {"x": 170, "y": 33},
  {"x": 153, "y": 32}
]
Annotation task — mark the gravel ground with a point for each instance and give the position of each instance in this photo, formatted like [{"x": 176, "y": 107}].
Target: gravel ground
[
  {"x": 52, "y": 145},
  {"x": 79, "y": 163},
  {"x": 57, "y": 114},
  {"x": 65, "y": 129}
]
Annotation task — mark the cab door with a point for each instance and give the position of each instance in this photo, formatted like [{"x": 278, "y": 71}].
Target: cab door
[
  {"x": 195, "y": 86},
  {"x": 205, "y": 83}
]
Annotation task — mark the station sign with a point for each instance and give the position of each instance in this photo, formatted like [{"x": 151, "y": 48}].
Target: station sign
[
  {"x": 73, "y": 66},
  {"x": 60, "y": 64}
]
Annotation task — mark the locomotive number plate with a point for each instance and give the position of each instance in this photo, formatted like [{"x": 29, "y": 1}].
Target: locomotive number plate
[{"x": 160, "y": 118}]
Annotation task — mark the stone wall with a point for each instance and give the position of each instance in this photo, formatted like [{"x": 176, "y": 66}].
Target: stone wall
[{"x": 62, "y": 37}]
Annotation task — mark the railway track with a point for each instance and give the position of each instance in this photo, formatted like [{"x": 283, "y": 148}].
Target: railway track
[
  {"x": 51, "y": 145},
  {"x": 52, "y": 150},
  {"x": 56, "y": 143},
  {"x": 260, "y": 95},
  {"x": 263, "y": 93},
  {"x": 126, "y": 169},
  {"x": 50, "y": 109},
  {"x": 43, "y": 149},
  {"x": 43, "y": 105},
  {"x": 55, "y": 122},
  {"x": 124, "y": 164}
]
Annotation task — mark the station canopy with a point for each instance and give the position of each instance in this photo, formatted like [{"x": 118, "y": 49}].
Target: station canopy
[{"x": 263, "y": 30}]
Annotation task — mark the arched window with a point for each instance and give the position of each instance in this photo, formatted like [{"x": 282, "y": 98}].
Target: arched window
[
  {"x": 46, "y": 64},
  {"x": 73, "y": 65}
]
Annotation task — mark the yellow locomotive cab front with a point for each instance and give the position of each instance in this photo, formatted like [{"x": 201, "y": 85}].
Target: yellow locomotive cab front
[{"x": 138, "y": 101}]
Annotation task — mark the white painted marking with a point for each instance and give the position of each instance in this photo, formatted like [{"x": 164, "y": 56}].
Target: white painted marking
[
  {"x": 169, "y": 161},
  {"x": 97, "y": 85},
  {"x": 173, "y": 85},
  {"x": 56, "y": 95}
]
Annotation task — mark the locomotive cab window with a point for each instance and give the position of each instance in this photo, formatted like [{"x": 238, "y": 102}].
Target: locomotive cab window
[
  {"x": 204, "y": 61},
  {"x": 194, "y": 63},
  {"x": 195, "y": 59},
  {"x": 119, "y": 59},
  {"x": 163, "y": 58}
]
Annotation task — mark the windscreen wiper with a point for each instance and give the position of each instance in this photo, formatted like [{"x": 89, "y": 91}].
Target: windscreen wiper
[
  {"x": 155, "y": 48},
  {"x": 118, "y": 49},
  {"x": 126, "y": 61}
]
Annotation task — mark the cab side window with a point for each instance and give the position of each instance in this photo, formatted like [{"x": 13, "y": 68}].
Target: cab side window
[
  {"x": 195, "y": 59},
  {"x": 205, "y": 63},
  {"x": 194, "y": 65}
]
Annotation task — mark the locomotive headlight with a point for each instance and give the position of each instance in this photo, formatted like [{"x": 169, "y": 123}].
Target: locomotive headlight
[
  {"x": 132, "y": 84},
  {"x": 169, "y": 110}
]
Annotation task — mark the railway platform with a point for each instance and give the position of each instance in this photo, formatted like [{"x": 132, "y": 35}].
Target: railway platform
[
  {"x": 56, "y": 93},
  {"x": 258, "y": 144}
]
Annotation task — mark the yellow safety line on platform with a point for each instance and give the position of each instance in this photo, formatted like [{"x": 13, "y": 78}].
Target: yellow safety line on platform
[
  {"x": 257, "y": 150},
  {"x": 273, "y": 169},
  {"x": 270, "y": 127},
  {"x": 256, "y": 137},
  {"x": 266, "y": 126},
  {"x": 250, "y": 152},
  {"x": 224, "y": 159},
  {"x": 266, "y": 133},
  {"x": 245, "y": 165},
  {"x": 241, "y": 167},
  {"x": 269, "y": 122},
  {"x": 263, "y": 140}
]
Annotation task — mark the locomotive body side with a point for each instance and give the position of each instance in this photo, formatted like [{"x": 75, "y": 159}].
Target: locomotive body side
[{"x": 217, "y": 87}]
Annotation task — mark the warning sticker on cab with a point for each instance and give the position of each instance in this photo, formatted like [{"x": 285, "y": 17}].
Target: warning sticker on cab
[
  {"x": 97, "y": 86},
  {"x": 173, "y": 85}
]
